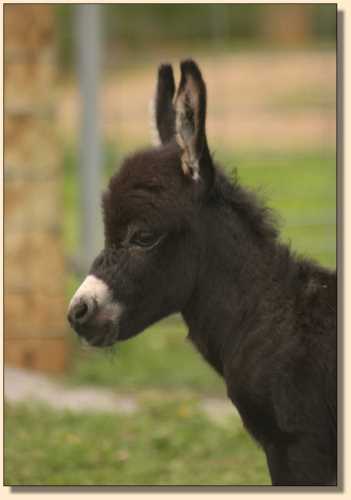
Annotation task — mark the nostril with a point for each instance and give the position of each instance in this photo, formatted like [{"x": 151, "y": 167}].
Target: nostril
[{"x": 80, "y": 311}]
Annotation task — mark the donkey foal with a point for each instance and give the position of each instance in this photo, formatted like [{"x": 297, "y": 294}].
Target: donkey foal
[{"x": 181, "y": 237}]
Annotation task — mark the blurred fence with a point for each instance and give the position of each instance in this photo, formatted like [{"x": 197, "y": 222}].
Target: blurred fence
[{"x": 34, "y": 264}]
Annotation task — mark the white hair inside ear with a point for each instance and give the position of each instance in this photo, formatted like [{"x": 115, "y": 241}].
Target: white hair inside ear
[
  {"x": 185, "y": 136},
  {"x": 155, "y": 136},
  {"x": 195, "y": 173}
]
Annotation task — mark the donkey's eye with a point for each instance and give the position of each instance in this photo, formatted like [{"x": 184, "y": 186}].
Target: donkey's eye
[{"x": 145, "y": 239}]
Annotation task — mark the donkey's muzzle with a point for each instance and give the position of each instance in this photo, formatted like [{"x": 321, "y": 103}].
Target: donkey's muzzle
[{"x": 93, "y": 313}]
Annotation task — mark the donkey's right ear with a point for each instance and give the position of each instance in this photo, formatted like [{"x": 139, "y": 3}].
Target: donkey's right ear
[
  {"x": 164, "y": 111},
  {"x": 190, "y": 107}
]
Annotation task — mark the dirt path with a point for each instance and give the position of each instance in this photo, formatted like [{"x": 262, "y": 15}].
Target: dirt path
[{"x": 27, "y": 386}]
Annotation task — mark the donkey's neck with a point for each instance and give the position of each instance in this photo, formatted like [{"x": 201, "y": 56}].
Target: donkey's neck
[{"x": 243, "y": 272}]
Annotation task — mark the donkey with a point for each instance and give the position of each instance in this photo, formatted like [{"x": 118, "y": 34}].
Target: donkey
[{"x": 180, "y": 236}]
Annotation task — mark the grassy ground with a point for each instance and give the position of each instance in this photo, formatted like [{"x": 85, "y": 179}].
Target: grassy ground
[{"x": 166, "y": 444}]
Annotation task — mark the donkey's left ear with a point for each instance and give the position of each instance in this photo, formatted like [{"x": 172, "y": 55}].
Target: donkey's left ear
[
  {"x": 190, "y": 109},
  {"x": 164, "y": 116}
]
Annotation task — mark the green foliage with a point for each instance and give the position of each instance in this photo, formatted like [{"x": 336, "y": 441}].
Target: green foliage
[
  {"x": 169, "y": 442},
  {"x": 179, "y": 22},
  {"x": 65, "y": 35},
  {"x": 138, "y": 28},
  {"x": 324, "y": 20},
  {"x": 301, "y": 188}
]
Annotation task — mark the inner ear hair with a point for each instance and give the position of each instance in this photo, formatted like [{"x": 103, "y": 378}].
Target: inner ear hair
[
  {"x": 190, "y": 108},
  {"x": 186, "y": 135}
]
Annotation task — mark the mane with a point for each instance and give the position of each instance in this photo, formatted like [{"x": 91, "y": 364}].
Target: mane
[{"x": 250, "y": 207}]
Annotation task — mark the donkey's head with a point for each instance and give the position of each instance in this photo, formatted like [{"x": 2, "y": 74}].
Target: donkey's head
[{"x": 154, "y": 231}]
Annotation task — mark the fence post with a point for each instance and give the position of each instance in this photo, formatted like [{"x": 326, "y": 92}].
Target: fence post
[
  {"x": 34, "y": 277},
  {"x": 87, "y": 24}
]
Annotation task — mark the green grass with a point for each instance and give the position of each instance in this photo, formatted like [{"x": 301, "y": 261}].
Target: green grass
[
  {"x": 165, "y": 444},
  {"x": 161, "y": 358},
  {"x": 301, "y": 189}
]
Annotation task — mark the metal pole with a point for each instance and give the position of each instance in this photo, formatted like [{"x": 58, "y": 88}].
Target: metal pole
[{"x": 88, "y": 60}]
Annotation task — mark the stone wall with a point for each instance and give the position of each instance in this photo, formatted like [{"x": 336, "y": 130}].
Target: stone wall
[{"x": 34, "y": 274}]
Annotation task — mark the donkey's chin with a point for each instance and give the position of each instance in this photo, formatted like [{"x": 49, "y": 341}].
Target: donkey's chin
[
  {"x": 101, "y": 335},
  {"x": 104, "y": 340}
]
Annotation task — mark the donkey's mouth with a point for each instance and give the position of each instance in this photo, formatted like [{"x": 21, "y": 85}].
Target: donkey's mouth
[
  {"x": 99, "y": 336},
  {"x": 102, "y": 342}
]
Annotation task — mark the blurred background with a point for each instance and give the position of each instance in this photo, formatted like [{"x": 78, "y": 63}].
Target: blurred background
[{"x": 78, "y": 84}]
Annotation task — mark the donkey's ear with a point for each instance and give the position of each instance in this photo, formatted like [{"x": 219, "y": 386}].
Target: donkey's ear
[
  {"x": 164, "y": 111},
  {"x": 190, "y": 107}
]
